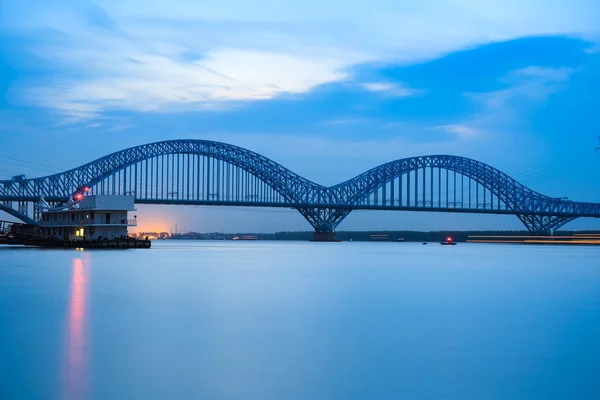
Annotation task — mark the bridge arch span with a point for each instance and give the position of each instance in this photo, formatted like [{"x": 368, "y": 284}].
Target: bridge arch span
[
  {"x": 507, "y": 189},
  {"x": 59, "y": 186},
  {"x": 501, "y": 193},
  {"x": 206, "y": 172},
  {"x": 288, "y": 186}
]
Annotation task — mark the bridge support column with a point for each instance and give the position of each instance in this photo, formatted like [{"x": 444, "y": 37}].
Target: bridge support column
[
  {"x": 324, "y": 237},
  {"x": 544, "y": 224},
  {"x": 324, "y": 221},
  {"x": 23, "y": 208}
]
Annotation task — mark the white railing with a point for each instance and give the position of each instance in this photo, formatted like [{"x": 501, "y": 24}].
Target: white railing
[{"x": 91, "y": 222}]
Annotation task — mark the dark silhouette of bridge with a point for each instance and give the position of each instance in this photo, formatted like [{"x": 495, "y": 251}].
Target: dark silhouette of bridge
[{"x": 202, "y": 172}]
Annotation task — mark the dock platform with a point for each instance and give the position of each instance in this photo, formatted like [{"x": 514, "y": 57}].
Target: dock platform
[{"x": 92, "y": 244}]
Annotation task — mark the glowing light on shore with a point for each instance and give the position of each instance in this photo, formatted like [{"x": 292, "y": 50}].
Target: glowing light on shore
[
  {"x": 155, "y": 218},
  {"x": 152, "y": 223}
]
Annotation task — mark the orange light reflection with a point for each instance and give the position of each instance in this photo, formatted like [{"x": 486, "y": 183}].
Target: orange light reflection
[{"x": 76, "y": 357}]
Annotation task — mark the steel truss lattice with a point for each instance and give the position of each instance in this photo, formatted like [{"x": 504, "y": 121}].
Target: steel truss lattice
[
  {"x": 542, "y": 224},
  {"x": 201, "y": 172},
  {"x": 324, "y": 219}
]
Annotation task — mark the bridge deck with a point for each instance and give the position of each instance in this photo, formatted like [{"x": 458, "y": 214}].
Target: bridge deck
[{"x": 201, "y": 172}]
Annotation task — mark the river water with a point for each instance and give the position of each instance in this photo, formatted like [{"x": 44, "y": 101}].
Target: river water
[{"x": 295, "y": 320}]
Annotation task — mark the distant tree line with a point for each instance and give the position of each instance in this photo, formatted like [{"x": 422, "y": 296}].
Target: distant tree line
[{"x": 369, "y": 236}]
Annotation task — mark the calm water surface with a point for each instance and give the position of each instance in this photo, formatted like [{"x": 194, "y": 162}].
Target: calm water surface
[{"x": 276, "y": 320}]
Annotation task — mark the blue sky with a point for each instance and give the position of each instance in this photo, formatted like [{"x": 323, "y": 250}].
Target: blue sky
[{"x": 326, "y": 89}]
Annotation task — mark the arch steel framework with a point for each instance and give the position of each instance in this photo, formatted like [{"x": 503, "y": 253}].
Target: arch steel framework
[{"x": 202, "y": 172}]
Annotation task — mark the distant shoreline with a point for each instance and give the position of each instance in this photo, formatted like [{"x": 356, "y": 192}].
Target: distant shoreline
[{"x": 367, "y": 236}]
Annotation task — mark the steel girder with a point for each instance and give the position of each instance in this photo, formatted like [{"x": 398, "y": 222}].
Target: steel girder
[
  {"x": 19, "y": 214},
  {"x": 543, "y": 224},
  {"x": 324, "y": 219},
  {"x": 317, "y": 203}
]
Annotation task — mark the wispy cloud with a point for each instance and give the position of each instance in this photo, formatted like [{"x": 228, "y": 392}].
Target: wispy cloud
[
  {"x": 345, "y": 121},
  {"x": 391, "y": 89},
  {"x": 461, "y": 130},
  {"x": 532, "y": 84},
  {"x": 543, "y": 74},
  {"x": 595, "y": 48},
  {"x": 504, "y": 110},
  {"x": 154, "y": 56},
  {"x": 146, "y": 82}
]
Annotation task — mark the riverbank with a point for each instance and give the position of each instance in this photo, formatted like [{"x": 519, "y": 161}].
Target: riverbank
[{"x": 370, "y": 236}]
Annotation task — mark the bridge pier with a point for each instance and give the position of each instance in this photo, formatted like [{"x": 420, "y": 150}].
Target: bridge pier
[
  {"x": 324, "y": 237},
  {"x": 324, "y": 221}
]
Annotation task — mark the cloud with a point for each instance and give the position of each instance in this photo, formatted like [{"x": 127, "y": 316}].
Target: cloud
[
  {"x": 147, "y": 82},
  {"x": 532, "y": 84},
  {"x": 391, "y": 89},
  {"x": 155, "y": 56},
  {"x": 503, "y": 111},
  {"x": 543, "y": 74},
  {"x": 462, "y": 130},
  {"x": 345, "y": 121},
  {"x": 594, "y": 49}
]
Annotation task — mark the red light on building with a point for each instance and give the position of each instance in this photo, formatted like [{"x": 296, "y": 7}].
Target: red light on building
[
  {"x": 78, "y": 196},
  {"x": 86, "y": 189}
]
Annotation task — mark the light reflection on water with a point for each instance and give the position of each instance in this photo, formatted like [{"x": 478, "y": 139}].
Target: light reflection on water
[
  {"x": 76, "y": 362},
  {"x": 295, "y": 321}
]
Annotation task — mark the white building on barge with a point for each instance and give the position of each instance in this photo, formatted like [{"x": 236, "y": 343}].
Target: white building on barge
[{"x": 95, "y": 217}]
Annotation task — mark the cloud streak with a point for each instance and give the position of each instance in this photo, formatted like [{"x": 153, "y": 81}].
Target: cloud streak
[
  {"x": 502, "y": 110},
  {"x": 531, "y": 84},
  {"x": 462, "y": 130},
  {"x": 391, "y": 89}
]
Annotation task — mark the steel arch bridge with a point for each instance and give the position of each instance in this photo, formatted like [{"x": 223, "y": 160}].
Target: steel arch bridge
[{"x": 202, "y": 172}]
